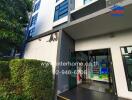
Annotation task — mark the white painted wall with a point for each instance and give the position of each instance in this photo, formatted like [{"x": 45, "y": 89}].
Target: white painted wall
[
  {"x": 60, "y": 21},
  {"x": 121, "y": 39},
  {"x": 45, "y": 16},
  {"x": 78, "y": 4},
  {"x": 40, "y": 49},
  {"x": 45, "y": 21}
]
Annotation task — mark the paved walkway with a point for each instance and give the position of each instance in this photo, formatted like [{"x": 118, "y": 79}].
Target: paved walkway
[{"x": 85, "y": 94}]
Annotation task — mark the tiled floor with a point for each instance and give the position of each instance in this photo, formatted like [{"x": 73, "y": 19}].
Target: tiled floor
[
  {"x": 85, "y": 94},
  {"x": 97, "y": 86}
]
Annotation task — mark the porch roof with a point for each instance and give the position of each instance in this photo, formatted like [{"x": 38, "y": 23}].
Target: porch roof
[{"x": 101, "y": 22}]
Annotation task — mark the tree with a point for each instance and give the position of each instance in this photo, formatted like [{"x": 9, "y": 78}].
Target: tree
[{"x": 13, "y": 19}]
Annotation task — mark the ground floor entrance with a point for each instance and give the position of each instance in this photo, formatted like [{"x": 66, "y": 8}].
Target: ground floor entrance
[
  {"x": 98, "y": 69},
  {"x": 105, "y": 64},
  {"x": 95, "y": 71}
]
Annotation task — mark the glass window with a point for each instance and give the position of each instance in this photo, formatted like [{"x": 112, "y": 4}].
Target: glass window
[
  {"x": 31, "y": 31},
  {"x": 34, "y": 19},
  {"x": 88, "y": 1},
  {"x": 127, "y": 60},
  {"x": 61, "y": 10},
  {"x": 37, "y": 5}
]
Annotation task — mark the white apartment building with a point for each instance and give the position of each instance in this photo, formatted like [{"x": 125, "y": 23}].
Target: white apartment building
[{"x": 96, "y": 32}]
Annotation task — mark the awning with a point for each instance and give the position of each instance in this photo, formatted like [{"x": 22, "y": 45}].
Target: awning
[{"x": 101, "y": 22}]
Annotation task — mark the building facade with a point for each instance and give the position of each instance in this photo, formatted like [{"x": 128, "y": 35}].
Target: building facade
[{"x": 96, "y": 32}]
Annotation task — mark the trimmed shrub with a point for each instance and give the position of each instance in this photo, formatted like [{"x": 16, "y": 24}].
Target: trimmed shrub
[
  {"x": 4, "y": 79},
  {"x": 33, "y": 78},
  {"x": 6, "y": 58},
  {"x": 8, "y": 90},
  {"x": 4, "y": 70},
  {"x": 3, "y": 91}
]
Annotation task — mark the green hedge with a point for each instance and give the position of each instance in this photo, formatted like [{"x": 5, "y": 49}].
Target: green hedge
[
  {"x": 6, "y": 58},
  {"x": 22, "y": 79},
  {"x": 4, "y": 79},
  {"x": 32, "y": 78},
  {"x": 4, "y": 70}
]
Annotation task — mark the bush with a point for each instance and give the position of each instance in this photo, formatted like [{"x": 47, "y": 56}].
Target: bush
[
  {"x": 8, "y": 90},
  {"x": 4, "y": 70},
  {"x": 32, "y": 78},
  {"x": 3, "y": 91},
  {"x": 6, "y": 58}
]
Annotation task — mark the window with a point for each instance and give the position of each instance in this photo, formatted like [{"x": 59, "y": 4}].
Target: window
[
  {"x": 61, "y": 10},
  {"x": 127, "y": 60},
  {"x": 37, "y": 5},
  {"x": 31, "y": 31},
  {"x": 88, "y": 1},
  {"x": 33, "y": 20}
]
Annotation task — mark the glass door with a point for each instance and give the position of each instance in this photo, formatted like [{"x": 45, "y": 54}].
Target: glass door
[
  {"x": 97, "y": 70},
  {"x": 127, "y": 60}
]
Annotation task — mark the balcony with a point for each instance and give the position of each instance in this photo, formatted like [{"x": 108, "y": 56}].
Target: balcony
[
  {"x": 87, "y": 9},
  {"x": 90, "y": 7},
  {"x": 100, "y": 22}
]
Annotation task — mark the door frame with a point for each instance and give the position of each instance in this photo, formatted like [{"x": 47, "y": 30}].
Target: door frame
[{"x": 113, "y": 73}]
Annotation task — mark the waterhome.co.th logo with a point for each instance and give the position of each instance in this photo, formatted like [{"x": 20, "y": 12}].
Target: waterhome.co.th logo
[{"x": 117, "y": 10}]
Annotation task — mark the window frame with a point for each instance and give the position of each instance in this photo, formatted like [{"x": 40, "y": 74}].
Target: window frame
[
  {"x": 61, "y": 10},
  {"x": 31, "y": 31},
  {"x": 125, "y": 67},
  {"x": 37, "y": 6},
  {"x": 33, "y": 19}
]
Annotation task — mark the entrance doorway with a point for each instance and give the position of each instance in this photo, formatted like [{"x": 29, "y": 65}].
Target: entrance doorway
[{"x": 95, "y": 71}]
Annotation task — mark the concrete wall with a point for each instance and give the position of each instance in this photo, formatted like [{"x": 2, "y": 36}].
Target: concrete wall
[
  {"x": 45, "y": 16},
  {"x": 114, "y": 42},
  {"x": 41, "y": 49},
  {"x": 45, "y": 20},
  {"x": 66, "y": 46}
]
